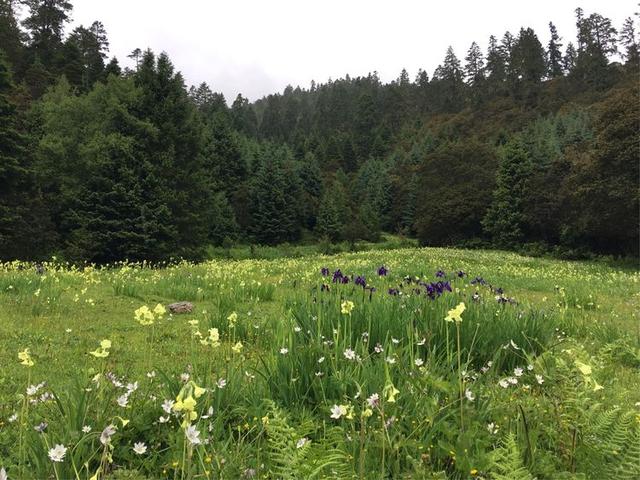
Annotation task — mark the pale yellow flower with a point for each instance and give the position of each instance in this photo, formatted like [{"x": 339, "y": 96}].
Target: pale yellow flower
[
  {"x": 346, "y": 307},
  {"x": 455, "y": 314},
  {"x": 25, "y": 358}
]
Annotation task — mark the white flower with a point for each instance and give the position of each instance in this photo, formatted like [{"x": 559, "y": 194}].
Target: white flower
[
  {"x": 3, "y": 474},
  {"x": 193, "y": 435},
  {"x": 123, "y": 400},
  {"x": 539, "y": 379},
  {"x": 518, "y": 372},
  {"x": 167, "y": 405},
  {"x": 529, "y": 367},
  {"x": 338, "y": 411},
  {"x": 57, "y": 453},
  {"x": 163, "y": 419},
  {"x": 391, "y": 360},
  {"x": 132, "y": 387},
  {"x": 221, "y": 383},
  {"x": 12, "y": 418},
  {"x": 378, "y": 348},
  {"x": 284, "y": 351},
  {"x": 493, "y": 428},
  {"x": 297, "y": 329},
  {"x": 86, "y": 429},
  {"x": 395, "y": 341},
  {"x": 503, "y": 383},
  {"x": 423, "y": 341},
  {"x": 321, "y": 359},
  {"x": 469, "y": 394},
  {"x": 184, "y": 377},
  {"x": 512, "y": 380},
  {"x": 302, "y": 442},
  {"x": 349, "y": 354},
  {"x": 151, "y": 374},
  {"x": 418, "y": 362},
  {"x": 107, "y": 433},
  {"x": 374, "y": 400},
  {"x": 513, "y": 344},
  {"x": 140, "y": 448}
]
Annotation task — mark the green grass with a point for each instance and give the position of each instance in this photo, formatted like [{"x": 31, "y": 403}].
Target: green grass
[{"x": 571, "y": 325}]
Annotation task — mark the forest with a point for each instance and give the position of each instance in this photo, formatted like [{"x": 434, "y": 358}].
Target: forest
[{"x": 528, "y": 146}]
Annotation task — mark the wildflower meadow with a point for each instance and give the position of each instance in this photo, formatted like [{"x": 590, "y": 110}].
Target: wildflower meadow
[{"x": 408, "y": 363}]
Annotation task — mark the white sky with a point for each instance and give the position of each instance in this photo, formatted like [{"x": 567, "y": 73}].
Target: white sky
[{"x": 257, "y": 47}]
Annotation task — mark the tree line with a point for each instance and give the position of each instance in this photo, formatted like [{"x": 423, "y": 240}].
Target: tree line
[{"x": 524, "y": 145}]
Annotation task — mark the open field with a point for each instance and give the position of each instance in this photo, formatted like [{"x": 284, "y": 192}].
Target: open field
[{"x": 285, "y": 371}]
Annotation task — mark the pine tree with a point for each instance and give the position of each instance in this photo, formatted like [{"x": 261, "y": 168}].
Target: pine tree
[
  {"x": 496, "y": 66},
  {"x": 629, "y": 41},
  {"x": 448, "y": 78},
  {"x": 45, "y": 24},
  {"x": 11, "y": 37},
  {"x": 527, "y": 66},
  {"x": 505, "y": 222},
  {"x": 554, "y": 54},
  {"x": 569, "y": 59}
]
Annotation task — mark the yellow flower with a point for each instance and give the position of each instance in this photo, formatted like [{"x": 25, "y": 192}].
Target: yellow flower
[
  {"x": 237, "y": 347},
  {"x": 390, "y": 391},
  {"x": 105, "y": 344},
  {"x": 198, "y": 391},
  {"x": 25, "y": 358},
  {"x": 584, "y": 368},
  {"x": 346, "y": 307},
  {"x": 455, "y": 314},
  {"x": 144, "y": 316},
  {"x": 103, "y": 350},
  {"x": 233, "y": 318},
  {"x": 213, "y": 339},
  {"x": 159, "y": 310},
  {"x": 367, "y": 413}
]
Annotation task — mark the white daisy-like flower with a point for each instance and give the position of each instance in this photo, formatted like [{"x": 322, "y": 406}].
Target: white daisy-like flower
[
  {"x": 395, "y": 341},
  {"x": 418, "y": 362},
  {"x": 193, "y": 435},
  {"x": 140, "y": 448},
  {"x": 284, "y": 351},
  {"x": 132, "y": 387},
  {"x": 504, "y": 383},
  {"x": 469, "y": 395},
  {"x": 493, "y": 428},
  {"x": 184, "y": 377},
  {"x": 349, "y": 354},
  {"x": 57, "y": 453},
  {"x": 378, "y": 348},
  {"x": 297, "y": 329},
  {"x": 167, "y": 405},
  {"x": 512, "y": 380},
  {"x": 302, "y": 442},
  {"x": 221, "y": 383},
  {"x": 529, "y": 367},
  {"x": 374, "y": 400},
  {"x": 12, "y": 418},
  {"x": 151, "y": 374},
  {"x": 539, "y": 379},
  {"x": 107, "y": 433},
  {"x": 518, "y": 372},
  {"x": 391, "y": 360},
  {"x": 321, "y": 359},
  {"x": 338, "y": 411},
  {"x": 86, "y": 429}
]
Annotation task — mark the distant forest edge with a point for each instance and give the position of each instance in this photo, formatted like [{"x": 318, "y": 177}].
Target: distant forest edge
[{"x": 525, "y": 146}]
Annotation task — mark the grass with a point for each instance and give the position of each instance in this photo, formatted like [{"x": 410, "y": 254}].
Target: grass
[{"x": 540, "y": 379}]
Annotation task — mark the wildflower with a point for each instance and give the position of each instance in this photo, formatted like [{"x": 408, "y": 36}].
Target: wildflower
[
  {"x": 440, "y": 274},
  {"x": 86, "y": 429},
  {"x": 41, "y": 427},
  {"x": 374, "y": 400},
  {"x": 123, "y": 400},
  {"x": 232, "y": 318},
  {"x": 349, "y": 354},
  {"x": 390, "y": 391},
  {"x": 455, "y": 314},
  {"x": 321, "y": 359},
  {"x": 140, "y": 448},
  {"x": 159, "y": 310},
  {"x": 469, "y": 395},
  {"x": 193, "y": 435},
  {"x": 144, "y": 316},
  {"x": 57, "y": 453},
  {"x": 395, "y": 341},
  {"x": 213, "y": 339},
  {"x": 518, "y": 372},
  {"x": 284, "y": 351},
  {"x": 378, "y": 348},
  {"x": 382, "y": 271},
  {"x": 12, "y": 418},
  {"x": 367, "y": 412},
  {"x": 529, "y": 367},
  {"x": 338, "y": 411},
  {"x": 221, "y": 383},
  {"x": 25, "y": 358},
  {"x": 107, "y": 433},
  {"x": 539, "y": 379},
  {"x": 390, "y": 360},
  {"x": 584, "y": 368},
  {"x": 503, "y": 383},
  {"x": 418, "y": 362},
  {"x": 3, "y": 474},
  {"x": 512, "y": 380},
  {"x": 237, "y": 347},
  {"x": 302, "y": 442},
  {"x": 324, "y": 271},
  {"x": 493, "y": 428},
  {"x": 346, "y": 307},
  {"x": 103, "y": 350},
  {"x": 360, "y": 280}
]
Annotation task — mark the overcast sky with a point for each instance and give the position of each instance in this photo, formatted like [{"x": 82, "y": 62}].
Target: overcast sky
[{"x": 257, "y": 47}]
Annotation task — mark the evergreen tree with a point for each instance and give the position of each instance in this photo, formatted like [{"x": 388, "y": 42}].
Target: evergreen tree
[
  {"x": 554, "y": 54},
  {"x": 629, "y": 41},
  {"x": 45, "y": 24},
  {"x": 569, "y": 59},
  {"x": 11, "y": 38},
  {"x": 243, "y": 116},
  {"x": 596, "y": 42},
  {"x": 527, "y": 66},
  {"x": 496, "y": 66},
  {"x": 25, "y": 231},
  {"x": 448, "y": 79},
  {"x": 504, "y": 221}
]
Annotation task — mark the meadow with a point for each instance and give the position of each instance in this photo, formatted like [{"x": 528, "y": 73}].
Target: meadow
[{"x": 405, "y": 363}]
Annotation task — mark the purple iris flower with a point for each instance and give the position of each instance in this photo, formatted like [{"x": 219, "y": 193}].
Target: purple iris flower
[
  {"x": 337, "y": 276},
  {"x": 324, "y": 271},
  {"x": 479, "y": 280},
  {"x": 393, "y": 291},
  {"x": 440, "y": 274},
  {"x": 382, "y": 271},
  {"x": 461, "y": 274},
  {"x": 344, "y": 279},
  {"x": 360, "y": 280}
]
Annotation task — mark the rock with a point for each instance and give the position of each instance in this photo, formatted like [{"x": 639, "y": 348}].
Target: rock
[{"x": 181, "y": 307}]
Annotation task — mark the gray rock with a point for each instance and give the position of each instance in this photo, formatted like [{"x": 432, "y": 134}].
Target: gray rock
[{"x": 181, "y": 307}]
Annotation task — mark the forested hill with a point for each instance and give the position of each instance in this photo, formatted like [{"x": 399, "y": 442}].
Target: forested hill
[{"x": 525, "y": 146}]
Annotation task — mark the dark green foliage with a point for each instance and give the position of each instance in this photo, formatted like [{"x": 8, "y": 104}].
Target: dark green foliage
[{"x": 452, "y": 192}]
